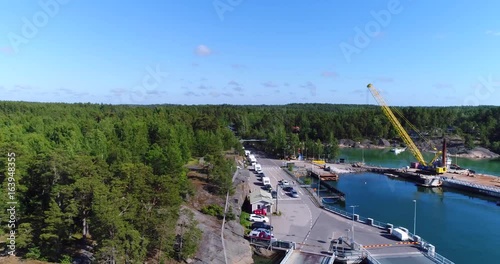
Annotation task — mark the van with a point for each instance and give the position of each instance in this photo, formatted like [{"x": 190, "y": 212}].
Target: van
[{"x": 266, "y": 181}]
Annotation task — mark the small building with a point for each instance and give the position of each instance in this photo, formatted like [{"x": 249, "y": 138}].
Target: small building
[{"x": 261, "y": 199}]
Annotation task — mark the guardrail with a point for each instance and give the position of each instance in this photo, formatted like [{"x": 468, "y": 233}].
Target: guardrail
[{"x": 438, "y": 258}]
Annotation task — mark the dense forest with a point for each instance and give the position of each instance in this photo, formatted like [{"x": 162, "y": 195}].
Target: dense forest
[
  {"x": 110, "y": 179},
  {"x": 113, "y": 177}
]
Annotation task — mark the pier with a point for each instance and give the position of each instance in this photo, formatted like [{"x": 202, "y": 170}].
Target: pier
[{"x": 327, "y": 176}]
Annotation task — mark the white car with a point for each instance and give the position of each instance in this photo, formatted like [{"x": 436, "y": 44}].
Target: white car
[
  {"x": 261, "y": 233},
  {"x": 284, "y": 183},
  {"x": 258, "y": 218}
]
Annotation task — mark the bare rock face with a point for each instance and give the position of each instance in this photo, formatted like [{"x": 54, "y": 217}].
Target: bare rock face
[
  {"x": 238, "y": 250},
  {"x": 481, "y": 153},
  {"x": 346, "y": 142},
  {"x": 384, "y": 142}
]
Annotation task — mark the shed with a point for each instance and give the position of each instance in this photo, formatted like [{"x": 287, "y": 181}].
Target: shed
[{"x": 261, "y": 199}]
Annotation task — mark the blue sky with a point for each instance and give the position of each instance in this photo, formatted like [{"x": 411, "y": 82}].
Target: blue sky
[{"x": 418, "y": 53}]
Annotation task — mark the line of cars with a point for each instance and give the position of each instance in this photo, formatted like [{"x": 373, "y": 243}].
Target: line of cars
[
  {"x": 285, "y": 185},
  {"x": 260, "y": 229}
]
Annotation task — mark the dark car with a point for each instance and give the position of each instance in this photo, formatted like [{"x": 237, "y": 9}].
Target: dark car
[
  {"x": 287, "y": 188},
  {"x": 268, "y": 187},
  {"x": 262, "y": 225},
  {"x": 274, "y": 194}
]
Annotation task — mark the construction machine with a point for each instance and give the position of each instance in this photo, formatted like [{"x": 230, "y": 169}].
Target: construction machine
[{"x": 434, "y": 166}]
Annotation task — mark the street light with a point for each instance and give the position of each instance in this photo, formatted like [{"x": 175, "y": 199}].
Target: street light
[
  {"x": 319, "y": 184},
  {"x": 352, "y": 228},
  {"x": 415, "y": 218},
  {"x": 277, "y": 185}
]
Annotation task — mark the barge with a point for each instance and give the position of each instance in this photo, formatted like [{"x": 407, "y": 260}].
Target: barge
[{"x": 471, "y": 187}]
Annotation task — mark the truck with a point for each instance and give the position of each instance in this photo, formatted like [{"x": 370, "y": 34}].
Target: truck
[
  {"x": 400, "y": 234},
  {"x": 266, "y": 181}
]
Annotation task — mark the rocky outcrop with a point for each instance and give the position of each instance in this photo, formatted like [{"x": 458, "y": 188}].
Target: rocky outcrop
[
  {"x": 479, "y": 153},
  {"x": 346, "y": 143},
  {"x": 384, "y": 142},
  {"x": 211, "y": 250}
]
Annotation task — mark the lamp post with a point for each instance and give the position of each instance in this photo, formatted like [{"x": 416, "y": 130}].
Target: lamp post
[
  {"x": 415, "y": 218},
  {"x": 319, "y": 184},
  {"x": 277, "y": 185},
  {"x": 352, "y": 227}
]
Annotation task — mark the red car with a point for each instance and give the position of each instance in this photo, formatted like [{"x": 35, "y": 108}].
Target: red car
[{"x": 260, "y": 212}]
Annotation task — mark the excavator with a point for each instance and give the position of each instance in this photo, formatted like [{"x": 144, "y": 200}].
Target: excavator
[{"x": 434, "y": 166}]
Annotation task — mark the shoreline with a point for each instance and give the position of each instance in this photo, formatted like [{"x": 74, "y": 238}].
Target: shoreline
[{"x": 471, "y": 156}]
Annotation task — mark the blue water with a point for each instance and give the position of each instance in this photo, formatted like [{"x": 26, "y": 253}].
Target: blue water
[
  {"x": 386, "y": 158},
  {"x": 463, "y": 227}
]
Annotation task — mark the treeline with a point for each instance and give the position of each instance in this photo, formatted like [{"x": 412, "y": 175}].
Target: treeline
[
  {"x": 324, "y": 123},
  {"x": 108, "y": 177}
]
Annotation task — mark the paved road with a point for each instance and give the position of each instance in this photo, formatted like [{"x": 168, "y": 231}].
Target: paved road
[{"x": 313, "y": 228}]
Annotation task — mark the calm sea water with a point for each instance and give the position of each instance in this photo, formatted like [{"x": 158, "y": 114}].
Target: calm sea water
[
  {"x": 386, "y": 158},
  {"x": 463, "y": 227}
]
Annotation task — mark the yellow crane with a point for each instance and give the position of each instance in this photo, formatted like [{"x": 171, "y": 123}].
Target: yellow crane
[{"x": 406, "y": 138}]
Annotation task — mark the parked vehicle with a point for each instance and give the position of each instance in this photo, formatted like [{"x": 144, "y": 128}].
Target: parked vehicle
[
  {"x": 400, "y": 234},
  {"x": 287, "y": 188},
  {"x": 258, "y": 218},
  {"x": 261, "y": 225},
  {"x": 257, "y": 167},
  {"x": 266, "y": 181},
  {"x": 260, "y": 212},
  {"x": 284, "y": 183},
  {"x": 294, "y": 193},
  {"x": 261, "y": 233},
  {"x": 247, "y": 152},
  {"x": 268, "y": 187},
  {"x": 274, "y": 194}
]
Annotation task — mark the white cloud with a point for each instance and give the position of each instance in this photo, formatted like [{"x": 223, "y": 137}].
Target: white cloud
[
  {"x": 311, "y": 87},
  {"x": 270, "y": 84},
  {"x": 492, "y": 33},
  {"x": 203, "y": 50}
]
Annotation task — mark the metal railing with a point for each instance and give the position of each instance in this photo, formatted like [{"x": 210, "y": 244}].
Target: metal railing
[{"x": 438, "y": 258}]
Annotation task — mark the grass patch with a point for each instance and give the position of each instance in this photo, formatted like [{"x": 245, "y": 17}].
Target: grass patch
[
  {"x": 193, "y": 161},
  {"x": 307, "y": 181},
  {"x": 245, "y": 222}
]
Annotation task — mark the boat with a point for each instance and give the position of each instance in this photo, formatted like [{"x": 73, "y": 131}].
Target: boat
[
  {"x": 398, "y": 150},
  {"x": 431, "y": 182}
]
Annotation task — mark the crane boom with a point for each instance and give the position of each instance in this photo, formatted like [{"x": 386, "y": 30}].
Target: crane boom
[{"x": 399, "y": 128}]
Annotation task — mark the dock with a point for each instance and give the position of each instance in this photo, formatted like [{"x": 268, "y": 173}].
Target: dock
[{"x": 324, "y": 177}]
